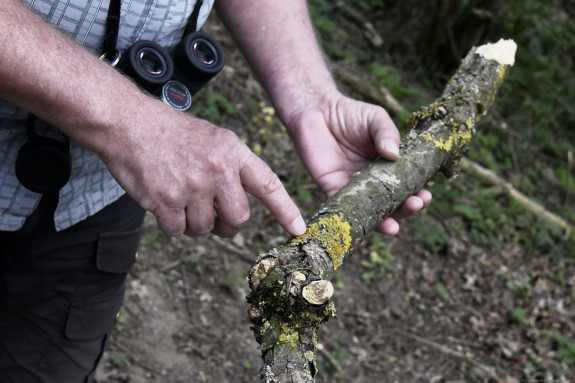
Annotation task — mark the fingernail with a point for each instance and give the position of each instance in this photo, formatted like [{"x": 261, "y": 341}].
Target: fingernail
[
  {"x": 391, "y": 148},
  {"x": 298, "y": 226}
]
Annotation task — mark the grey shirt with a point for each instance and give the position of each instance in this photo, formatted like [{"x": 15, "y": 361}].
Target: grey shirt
[{"x": 91, "y": 187}]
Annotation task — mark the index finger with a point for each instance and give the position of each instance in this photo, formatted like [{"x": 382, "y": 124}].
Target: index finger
[{"x": 261, "y": 182}]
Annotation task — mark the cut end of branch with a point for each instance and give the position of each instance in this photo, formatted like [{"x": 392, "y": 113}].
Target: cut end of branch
[
  {"x": 502, "y": 51},
  {"x": 318, "y": 292},
  {"x": 261, "y": 269}
]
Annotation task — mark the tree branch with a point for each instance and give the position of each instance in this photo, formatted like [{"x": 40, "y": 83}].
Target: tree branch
[
  {"x": 290, "y": 286},
  {"x": 385, "y": 99}
]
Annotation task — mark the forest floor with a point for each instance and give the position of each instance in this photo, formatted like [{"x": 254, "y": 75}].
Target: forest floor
[{"x": 464, "y": 313}]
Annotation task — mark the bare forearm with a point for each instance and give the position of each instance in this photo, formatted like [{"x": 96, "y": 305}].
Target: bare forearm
[
  {"x": 55, "y": 78},
  {"x": 278, "y": 40}
]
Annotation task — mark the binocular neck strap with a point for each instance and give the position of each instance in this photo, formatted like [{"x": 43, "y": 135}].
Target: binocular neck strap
[
  {"x": 193, "y": 20},
  {"x": 113, "y": 25},
  {"x": 112, "y": 28}
]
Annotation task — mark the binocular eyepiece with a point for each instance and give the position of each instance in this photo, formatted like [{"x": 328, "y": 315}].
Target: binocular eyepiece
[{"x": 177, "y": 75}]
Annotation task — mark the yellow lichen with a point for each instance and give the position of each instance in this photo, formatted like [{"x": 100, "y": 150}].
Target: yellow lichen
[
  {"x": 458, "y": 138},
  {"x": 333, "y": 234},
  {"x": 330, "y": 311},
  {"x": 492, "y": 92},
  {"x": 501, "y": 74},
  {"x": 444, "y": 144},
  {"x": 466, "y": 135},
  {"x": 427, "y": 136},
  {"x": 265, "y": 326},
  {"x": 288, "y": 335}
]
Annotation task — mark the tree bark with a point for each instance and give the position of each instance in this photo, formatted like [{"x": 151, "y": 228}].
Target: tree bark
[{"x": 290, "y": 288}]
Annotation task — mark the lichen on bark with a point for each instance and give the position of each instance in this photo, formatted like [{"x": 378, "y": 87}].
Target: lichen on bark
[{"x": 333, "y": 234}]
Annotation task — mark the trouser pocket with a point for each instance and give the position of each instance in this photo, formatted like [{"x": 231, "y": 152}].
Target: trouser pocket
[
  {"x": 72, "y": 357},
  {"x": 92, "y": 314},
  {"x": 74, "y": 284}
]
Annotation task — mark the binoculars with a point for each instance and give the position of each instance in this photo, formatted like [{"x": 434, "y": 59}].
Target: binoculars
[{"x": 174, "y": 76}]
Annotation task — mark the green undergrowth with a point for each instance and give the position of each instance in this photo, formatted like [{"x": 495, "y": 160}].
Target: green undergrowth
[
  {"x": 488, "y": 218},
  {"x": 379, "y": 261}
]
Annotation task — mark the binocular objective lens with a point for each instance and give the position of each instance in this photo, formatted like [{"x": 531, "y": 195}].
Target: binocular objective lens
[
  {"x": 152, "y": 62},
  {"x": 204, "y": 52}
]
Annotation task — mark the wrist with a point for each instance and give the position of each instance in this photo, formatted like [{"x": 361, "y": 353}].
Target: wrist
[
  {"x": 291, "y": 104},
  {"x": 104, "y": 117},
  {"x": 126, "y": 127}
]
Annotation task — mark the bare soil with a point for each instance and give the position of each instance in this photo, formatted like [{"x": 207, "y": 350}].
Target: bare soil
[{"x": 449, "y": 316}]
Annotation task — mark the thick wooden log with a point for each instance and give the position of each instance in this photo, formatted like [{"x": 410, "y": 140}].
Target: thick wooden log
[{"x": 290, "y": 286}]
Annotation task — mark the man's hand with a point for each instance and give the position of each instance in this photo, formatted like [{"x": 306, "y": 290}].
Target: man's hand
[
  {"x": 339, "y": 136},
  {"x": 193, "y": 176}
]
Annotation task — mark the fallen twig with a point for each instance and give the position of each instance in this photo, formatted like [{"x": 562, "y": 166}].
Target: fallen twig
[
  {"x": 244, "y": 255},
  {"x": 380, "y": 96},
  {"x": 535, "y": 208},
  {"x": 368, "y": 29}
]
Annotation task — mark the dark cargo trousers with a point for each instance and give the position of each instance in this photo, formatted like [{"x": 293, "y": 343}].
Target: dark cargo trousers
[{"x": 60, "y": 292}]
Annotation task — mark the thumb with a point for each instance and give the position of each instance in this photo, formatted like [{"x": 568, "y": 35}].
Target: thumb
[{"x": 385, "y": 134}]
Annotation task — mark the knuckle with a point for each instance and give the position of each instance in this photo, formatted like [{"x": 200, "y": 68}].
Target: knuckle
[
  {"x": 227, "y": 135},
  {"x": 272, "y": 184},
  {"x": 240, "y": 220},
  {"x": 171, "y": 231},
  {"x": 166, "y": 196},
  {"x": 199, "y": 223},
  {"x": 168, "y": 227},
  {"x": 221, "y": 169},
  {"x": 198, "y": 230}
]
